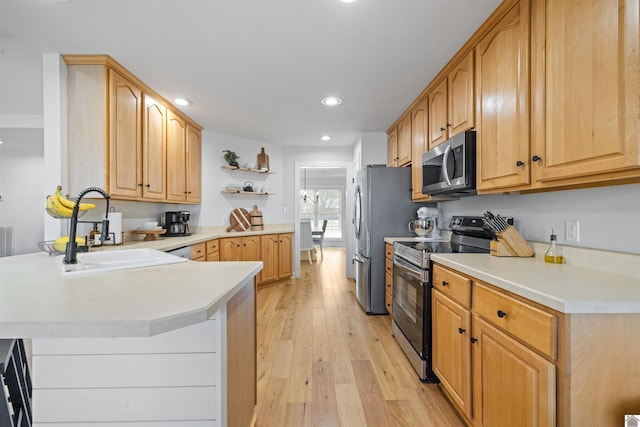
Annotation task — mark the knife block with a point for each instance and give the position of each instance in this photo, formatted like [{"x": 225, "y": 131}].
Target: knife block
[{"x": 510, "y": 243}]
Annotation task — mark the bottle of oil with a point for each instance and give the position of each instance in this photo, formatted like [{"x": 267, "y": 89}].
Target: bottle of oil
[{"x": 554, "y": 253}]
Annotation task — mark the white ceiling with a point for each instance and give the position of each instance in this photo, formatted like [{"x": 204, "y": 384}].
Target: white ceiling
[{"x": 253, "y": 68}]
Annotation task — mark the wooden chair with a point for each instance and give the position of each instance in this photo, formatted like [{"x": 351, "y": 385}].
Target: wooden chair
[{"x": 318, "y": 236}]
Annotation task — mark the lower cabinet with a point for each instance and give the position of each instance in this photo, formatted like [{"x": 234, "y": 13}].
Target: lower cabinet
[
  {"x": 388, "y": 278},
  {"x": 276, "y": 256},
  {"x": 198, "y": 252},
  {"x": 493, "y": 353},
  {"x": 513, "y": 386},
  {"x": 274, "y": 250}
]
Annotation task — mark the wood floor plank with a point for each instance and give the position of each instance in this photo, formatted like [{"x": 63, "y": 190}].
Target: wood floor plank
[{"x": 323, "y": 362}]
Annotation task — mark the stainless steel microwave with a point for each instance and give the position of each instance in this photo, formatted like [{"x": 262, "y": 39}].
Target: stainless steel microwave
[{"x": 450, "y": 168}]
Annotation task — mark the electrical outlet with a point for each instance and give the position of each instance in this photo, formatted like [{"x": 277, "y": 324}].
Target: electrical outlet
[{"x": 572, "y": 231}]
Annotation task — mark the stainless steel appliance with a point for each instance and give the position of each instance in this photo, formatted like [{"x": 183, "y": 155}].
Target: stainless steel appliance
[
  {"x": 411, "y": 324},
  {"x": 382, "y": 208},
  {"x": 450, "y": 168},
  {"x": 177, "y": 223}
]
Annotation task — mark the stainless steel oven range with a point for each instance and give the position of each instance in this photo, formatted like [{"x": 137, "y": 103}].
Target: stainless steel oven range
[{"x": 411, "y": 324}]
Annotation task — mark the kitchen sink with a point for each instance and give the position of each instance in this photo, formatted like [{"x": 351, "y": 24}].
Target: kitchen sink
[{"x": 103, "y": 261}]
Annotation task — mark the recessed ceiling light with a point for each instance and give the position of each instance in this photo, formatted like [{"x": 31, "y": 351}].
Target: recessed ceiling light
[
  {"x": 182, "y": 101},
  {"x": 331, "y": 101},
  {"x": 325, "y": 137},
  {"x": 348, "y": 1}
]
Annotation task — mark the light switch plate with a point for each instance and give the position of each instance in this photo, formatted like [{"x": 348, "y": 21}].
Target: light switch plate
[{"x": 572, "y": 231}]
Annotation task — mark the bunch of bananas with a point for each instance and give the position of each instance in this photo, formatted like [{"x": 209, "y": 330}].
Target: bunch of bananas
[{"x": 58, "y": 206}]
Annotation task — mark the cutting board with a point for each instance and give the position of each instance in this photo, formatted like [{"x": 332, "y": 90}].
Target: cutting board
[{"x": 239, "y": 220}]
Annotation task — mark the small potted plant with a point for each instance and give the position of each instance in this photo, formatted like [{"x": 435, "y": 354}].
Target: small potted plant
[{"x": 231, "y": 157}]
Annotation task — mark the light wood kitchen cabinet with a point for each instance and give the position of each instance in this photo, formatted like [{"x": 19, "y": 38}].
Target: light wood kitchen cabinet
[
  {"x": 403, "y": 151},
  {"x": 388, "y": 278},
  {"x": 276, "y": 256},
  {"x": 194, "y": 165},
  {"x": 117, "y": 135},
  {"x": 512, "y": 385},
  {"x": 198, "y": 252},
  {"x": 451, "y": 352},
  {"x": 176, "y": 158},
  {"x": 213, "y": 250},
  {"x": 125, "y": 137},
  {"x": 493, "y": 353},
  {"x": 392, "y": 148},
  {"x": 502, "y": 84},
  {"x": 154, "y": 150},
  {"x": 419, "y": 146},
  {"x": 451, "y": 103},
  {"x": 585, "y": 82}
]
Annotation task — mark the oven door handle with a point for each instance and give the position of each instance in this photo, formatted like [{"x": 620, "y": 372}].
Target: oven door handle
[{"x": 409, "y": 268}]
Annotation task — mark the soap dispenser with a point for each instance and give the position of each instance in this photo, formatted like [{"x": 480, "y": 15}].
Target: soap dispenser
[{"x": 554, "y": 253}]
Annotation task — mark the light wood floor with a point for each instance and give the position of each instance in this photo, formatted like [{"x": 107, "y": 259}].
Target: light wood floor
[{"x": 323, "y": 362}]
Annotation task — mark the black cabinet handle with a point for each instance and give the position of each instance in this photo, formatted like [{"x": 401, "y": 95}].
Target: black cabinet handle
[
  {"x": 519, "y": 163},
  {"x": 441, "y": 129},
  {"x": 148, "y": 185},
  {"x": 536, "y": 158},
  {"x": 444, "y": 283},
  {"x": 473, "y": 340},
  {"x": 140, "y": 185},
  {"x": 501, "y": 313},
  {"x": 462, "y": 331},
  {"x": 448, "y": 125}
]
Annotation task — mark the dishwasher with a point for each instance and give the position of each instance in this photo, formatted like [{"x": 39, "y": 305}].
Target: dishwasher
[{"x": 182, "y": 252}]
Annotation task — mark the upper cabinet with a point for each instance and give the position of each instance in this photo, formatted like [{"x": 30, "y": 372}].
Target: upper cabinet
[
  {"x": 399, "y": 143},
  {"x": 552, "y": 90},
  {"x": 451, "y": 109},
  {"x": 502, "y": 83},
  {"x": 392, "y": 148},
  {"x": 418, "y": 146},
  {"x": 586, "y": 87},
  {"x": 125, "y": 138}
]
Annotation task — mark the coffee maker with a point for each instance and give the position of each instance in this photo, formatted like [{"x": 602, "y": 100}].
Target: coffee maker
[{"x": 177, "y": 223}]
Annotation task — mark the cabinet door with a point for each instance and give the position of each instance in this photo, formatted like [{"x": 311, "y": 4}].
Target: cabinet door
[
  {"x": 590, "y": 66},
  {"x": 154, "y": 146},
  {"x": 461, "y": 100},
  {"x": 194, "y": 165},
  {"x": 392, "y": 148},
  {"x": 176, "y": 158},
  {"x": 285, "y": 253},
  {"x": 231, "y": 249},
  {"x": 513, "y": 386},
  {"x": 125, "y": 137},
  {"x": 452, "y": 349},
  {"x": 269, "y": 252},
  {"x": 419, "y": 146},
  {"x": 502, "y": 82},
  {"x": 438, "y": 126},
  {"x": 403, "y": 153}
]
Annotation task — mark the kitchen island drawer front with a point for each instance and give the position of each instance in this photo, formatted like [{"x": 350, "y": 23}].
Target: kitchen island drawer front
[
  {"x": 525, "y": 322},
  {"x": 213, "y": 246},
  {"x": 454, "y": 285},
  {"x": 388, "y": 266}
]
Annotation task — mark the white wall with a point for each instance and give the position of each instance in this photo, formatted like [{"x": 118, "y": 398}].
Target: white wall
[
  {"x": 609, "y": 217},
  {"x": 21, "y": 177},
  {"x": 216, "y": 206}
]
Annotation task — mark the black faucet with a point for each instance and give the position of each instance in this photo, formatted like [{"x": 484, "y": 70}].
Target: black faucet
[{"x": 72, "y": 247}]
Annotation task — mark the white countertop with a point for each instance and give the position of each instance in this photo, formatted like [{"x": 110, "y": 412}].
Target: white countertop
[
  {"x": 36, "y": 302},
  {"x": 562, "y": 287}
]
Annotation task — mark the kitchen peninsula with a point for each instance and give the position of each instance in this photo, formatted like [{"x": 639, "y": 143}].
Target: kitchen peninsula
[{"x": 172, "y": 343}]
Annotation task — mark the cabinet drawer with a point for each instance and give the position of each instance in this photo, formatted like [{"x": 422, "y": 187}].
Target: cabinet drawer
[
  {"x": 388, "y": 283},
  {"x": 213, "y": 256},
  {"x": 213, "y": 246},
  {"x": 388, "y": 266},
  {"x": 454, "y": 285},
  {"x": 388, "y": 250},
  {"x": 529, "y": 324},
  {"x": 198, "y": 250},
  {"x": 388, "y": 302}
]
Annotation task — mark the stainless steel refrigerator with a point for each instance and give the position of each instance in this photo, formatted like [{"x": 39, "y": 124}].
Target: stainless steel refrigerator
[{"x": 382, "y": 208}]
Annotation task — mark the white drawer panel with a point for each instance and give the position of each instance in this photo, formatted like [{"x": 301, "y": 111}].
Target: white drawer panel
[
  {"x": 128, "y": 370},
  {"x": 126, "y": 404},
  {"x": 184, "y": 340}
]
